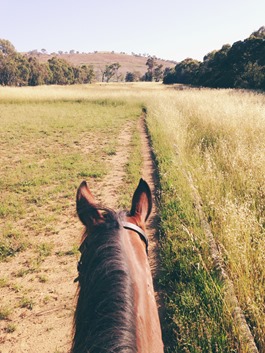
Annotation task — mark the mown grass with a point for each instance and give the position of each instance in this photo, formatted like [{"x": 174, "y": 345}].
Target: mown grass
[{"x": 50, "y": 139}]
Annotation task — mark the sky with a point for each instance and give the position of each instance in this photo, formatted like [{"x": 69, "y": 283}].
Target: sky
[{"x": 168, "y": 29}]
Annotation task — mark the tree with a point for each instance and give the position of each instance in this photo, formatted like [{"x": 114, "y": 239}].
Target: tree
[
  {"x": 17, "y": 69},
  {"x": 110, "y": 71},
  {"x": 169, "y": 76},
  {"x": 84, "y": 74},
  {"x": 14, "y": 67},
  {"x": 150, "y": 63},
  {"x": 158, "y": 73},
  {"x": 132, "y": 76},
  {"x": 8, "y": 71},
  {"x": 241, "y": 65},
  {"x": 154, "y": 70},
  {"x": 39, "y": 73},
  {"x": 185, "y": 72},
  {"x": 62, "y": 72},
  {"x": 260, "y": 33},
  {"x": 6, "y": 47},
  {"x": 23, "y": 70}
]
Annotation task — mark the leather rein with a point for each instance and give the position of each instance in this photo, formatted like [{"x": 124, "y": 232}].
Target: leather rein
[{"x": 126, "y": 225}]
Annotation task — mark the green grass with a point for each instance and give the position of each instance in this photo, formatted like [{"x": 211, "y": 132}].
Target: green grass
[
  {"x": 3, "y": 282},
  {"x": 49, "y": 144},
  {"x": 54, "y": 137},
  {"x": 4, "y": 313},
  {"x": 45, "y": 249},
  {"x": 10, "y": 328},
  {"x": 74, "y": 251},
  {"x": 26, "y": 302}
]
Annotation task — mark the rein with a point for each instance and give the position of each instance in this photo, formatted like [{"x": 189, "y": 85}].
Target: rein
[{"x": 126, "y": 225}]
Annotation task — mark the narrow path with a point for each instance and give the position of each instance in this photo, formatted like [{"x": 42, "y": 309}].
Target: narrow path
[
  {"x": 109, "y": 187},
  {"x": 149, "y": 173},
  {"x": 150, "y": 176}
]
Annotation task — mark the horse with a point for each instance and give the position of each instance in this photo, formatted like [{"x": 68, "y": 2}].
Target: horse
[{"x": 116, "y": 309}]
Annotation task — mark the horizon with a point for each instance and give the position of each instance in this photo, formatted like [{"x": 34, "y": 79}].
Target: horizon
[{"x": 172, "y": 30}]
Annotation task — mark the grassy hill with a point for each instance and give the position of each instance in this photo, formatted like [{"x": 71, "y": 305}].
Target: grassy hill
[{"x": 131, "y": 63}]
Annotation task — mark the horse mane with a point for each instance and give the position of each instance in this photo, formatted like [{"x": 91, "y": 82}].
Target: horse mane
[{"x": 104, "y": 320}]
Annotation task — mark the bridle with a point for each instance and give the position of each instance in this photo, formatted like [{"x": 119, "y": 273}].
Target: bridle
[
  {"x": 126, "y": 225},
  {"x": 139, "y": 231}
]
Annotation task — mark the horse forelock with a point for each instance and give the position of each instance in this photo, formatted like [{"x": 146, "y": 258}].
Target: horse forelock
[{"x": 105, "y": 318}]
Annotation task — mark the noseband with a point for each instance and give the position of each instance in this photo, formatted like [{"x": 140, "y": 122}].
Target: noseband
[{"x": 126, "y": 225}]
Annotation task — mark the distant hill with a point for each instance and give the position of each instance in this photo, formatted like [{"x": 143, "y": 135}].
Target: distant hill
[{"x": 129, "y": 63}]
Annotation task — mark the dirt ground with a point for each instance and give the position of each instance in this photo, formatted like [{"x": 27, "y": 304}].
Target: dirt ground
[{"x": 43, "y": 321}]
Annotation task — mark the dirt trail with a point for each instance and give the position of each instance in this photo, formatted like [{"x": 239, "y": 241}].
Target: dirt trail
[
  {"x": 43, "y": 324},
  {"x": 150, "y": 175},
  {"x": 109, "y": 187}
]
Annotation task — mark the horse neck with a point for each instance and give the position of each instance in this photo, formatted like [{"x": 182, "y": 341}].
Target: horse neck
[
  {"x": 105, "y": 317},
  {"x": 148, "y": 329}
]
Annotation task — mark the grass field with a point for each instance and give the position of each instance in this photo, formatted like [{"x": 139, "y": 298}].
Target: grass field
[
  {"x": 53, "y": 137},
  {"x": 217, "y": 137},
  {"x": 46, "y": 141},
  {"x": 50, "y": 140}
]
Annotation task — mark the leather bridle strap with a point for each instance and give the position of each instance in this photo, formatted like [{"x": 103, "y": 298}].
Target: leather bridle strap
[
  {"x": 138, "y": 230},
  {"x": 126, "y": 225}
]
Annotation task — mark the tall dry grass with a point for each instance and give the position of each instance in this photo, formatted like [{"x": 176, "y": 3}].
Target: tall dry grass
[{"x": 219, "y": 137}]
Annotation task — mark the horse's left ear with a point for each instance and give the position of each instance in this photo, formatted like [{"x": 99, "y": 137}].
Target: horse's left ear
[
  {"x": 86, "y": 206},
  {"x": 142, "y": 201}
]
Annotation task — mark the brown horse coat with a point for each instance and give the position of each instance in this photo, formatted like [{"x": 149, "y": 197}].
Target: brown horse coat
[{"x": 116, "y": 309}]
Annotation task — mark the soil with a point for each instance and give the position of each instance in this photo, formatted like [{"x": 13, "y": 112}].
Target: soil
[{"x": 43, "y": 321}]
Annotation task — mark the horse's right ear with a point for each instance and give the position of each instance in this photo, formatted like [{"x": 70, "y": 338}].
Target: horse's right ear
[{"x": 86, "y": 206}]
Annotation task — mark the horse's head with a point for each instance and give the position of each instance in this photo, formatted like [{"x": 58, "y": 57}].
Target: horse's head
[
  {"x": 92, "y": 215},
  {"x": 116, "y": 309}
]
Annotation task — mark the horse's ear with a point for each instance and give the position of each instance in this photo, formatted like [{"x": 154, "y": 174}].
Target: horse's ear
[
  {"x": 142, "y": 201},
  {"x": 86, "y": 206}
]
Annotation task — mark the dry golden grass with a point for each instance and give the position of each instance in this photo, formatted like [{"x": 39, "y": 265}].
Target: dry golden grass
[{"x": 219, "y": 137}]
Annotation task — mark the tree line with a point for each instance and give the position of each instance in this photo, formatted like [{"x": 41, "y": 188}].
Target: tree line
[
  {"x": 18, "y": 69},
  {"x": 241, "y": 65},
  {"x": 22, "y": 70}
]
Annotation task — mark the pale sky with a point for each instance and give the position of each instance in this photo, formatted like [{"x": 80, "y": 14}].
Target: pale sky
[{"x": 169, "y": 29}]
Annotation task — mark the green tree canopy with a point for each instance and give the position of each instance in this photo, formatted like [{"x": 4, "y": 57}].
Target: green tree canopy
[
  {"x": 110, "y": 71},
  {"x": 241, "y": 65},
  {"x": 20, "y": 70},
  {"x": 6, "y": 47}
]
